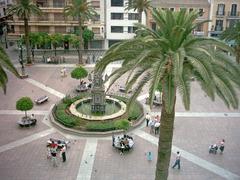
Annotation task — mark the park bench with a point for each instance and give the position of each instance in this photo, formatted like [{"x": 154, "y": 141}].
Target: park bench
[
  {"x": 27, "y": 122},
  {"x": 41, "y": 100}
]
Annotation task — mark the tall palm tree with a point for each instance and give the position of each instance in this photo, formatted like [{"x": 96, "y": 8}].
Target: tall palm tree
[
  {"x": 5, "y": 62},
  {"x": 233, "y": 34},
  {"x": 83, "y": 11},
  {"x": 24, "y": 9},
  {"x": 139, "y": 5},
  {"x": 170, "y": 57}
]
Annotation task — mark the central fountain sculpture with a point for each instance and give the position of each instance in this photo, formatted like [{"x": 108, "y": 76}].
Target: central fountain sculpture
[{"x": 98, "y": 94}]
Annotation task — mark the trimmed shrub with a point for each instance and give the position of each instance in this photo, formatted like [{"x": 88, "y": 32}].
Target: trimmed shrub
[{"x": 122, "y": 124}]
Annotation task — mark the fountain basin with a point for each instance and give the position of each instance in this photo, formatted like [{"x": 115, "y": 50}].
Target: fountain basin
[{"x": 85, "y": 115}]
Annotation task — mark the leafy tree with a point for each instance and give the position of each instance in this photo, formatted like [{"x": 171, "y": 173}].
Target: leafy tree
[
  {"x": 88, "y": 35},
  {"x": 74, "y": 40},
  {"x": 83, "y": 11},
  {"x": 66, "y": 39},
  {"x": 233, "y": 34},
  {"x": 24, "y": 9},
  {"x": 79, "y": 73},
  {"x": 24, "y": 104},
  {"x": 139, "y": 5},
  {"x": 33, "y": 38},
  {"x": 44, "y": 41},
  {"x": 171, "y": 56},
  {"x": 57, "y": 41},
  {"x": 5, "y": 63}
]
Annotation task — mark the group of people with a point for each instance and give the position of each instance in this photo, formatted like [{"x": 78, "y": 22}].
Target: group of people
[
  {"x": 56, "y": 149},
  {"x": 124, "y": 142},
  {"x": 213, "y": 148},
  {"x": 153, "y": 123}
]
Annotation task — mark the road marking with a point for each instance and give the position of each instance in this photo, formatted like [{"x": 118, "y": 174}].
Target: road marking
[
  {"x": 85, "y": 169},
  {"x": 191, "y": 157},
  {"x": 45, "y": 88},
  {"x": 26, "y": 140},
  {"x": 15, "y": 112}
]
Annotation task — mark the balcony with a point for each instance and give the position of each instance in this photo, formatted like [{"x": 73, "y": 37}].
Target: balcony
[
  {"x": 220, "y": 13},
  {"x": 234, "y": 15}
]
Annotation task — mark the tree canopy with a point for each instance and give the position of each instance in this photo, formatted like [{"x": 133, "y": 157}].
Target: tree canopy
[{"x": 79, "y": 73}]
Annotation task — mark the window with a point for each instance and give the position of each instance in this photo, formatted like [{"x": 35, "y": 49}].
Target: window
[
  {"x": 199, "y": 28},
  {"x": 200, "y": 11},
  {"x": 60, "y": 29},
  {"x": 59, "y": 17},
  {"x": 219, "y": 25},
  {"x": 117, "y": 29},
  {"x": 221, "y": 9},
  {"x": 43, "y": 29},
  {"x": 96, "y": 17},
  {"x": 132, "y": 29},
  {"x": 41, "y": 3},
  {"x": 58, "y": 3},
  {"x": 234, "y": 10},
  {"x": 171, "y": 9},
  {"x": 96, "y": 44},
  {"x": 43, "y": 17},
  {"x": 96, "y": 4},
  {"x": 133, "y": 16},
  {"x": 154, "y": 26},
  {"x": 117, "y": 3},
  {"x": 116, "y": 15},
  {"x": 96, "y": 30},
  {"x": 191, "y": 9}
]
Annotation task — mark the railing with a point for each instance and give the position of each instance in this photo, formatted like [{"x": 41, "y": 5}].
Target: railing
[
  {"x": 220, "y": 13},
  {"x": 234, "y": 14}
]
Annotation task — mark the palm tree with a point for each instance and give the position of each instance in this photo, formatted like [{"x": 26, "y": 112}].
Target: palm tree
[
  {"x": 233, "y": 34},
  {"x": 139, "y": 5},
  {"x": 171, "y": 56},
  {"x": 24, "y": 9},
  {"x": 83, "y": 11},
  {"x": 5, "y": 63}
]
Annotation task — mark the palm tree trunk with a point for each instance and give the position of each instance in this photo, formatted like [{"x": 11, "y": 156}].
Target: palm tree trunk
[
  {"x": 26, "y": 29},
  {"x": 238, "y": 54},
  {"x": 165, "y": 143},
  {"x": 80, "y": 60}
]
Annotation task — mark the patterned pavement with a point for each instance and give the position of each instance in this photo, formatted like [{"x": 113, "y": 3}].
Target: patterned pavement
[{"x": 23, "y": 150}]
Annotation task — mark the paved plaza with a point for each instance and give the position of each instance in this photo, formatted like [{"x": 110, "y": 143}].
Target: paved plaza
[{"x": 23, "y": 153}]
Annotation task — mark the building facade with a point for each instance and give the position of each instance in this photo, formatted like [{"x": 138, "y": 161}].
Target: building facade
[
  {"x": 223, "y": 14},
  {"x": 120, "y": 22},
  {"x": 203, "y": 6},
  {"x": 53, "y": 21}
]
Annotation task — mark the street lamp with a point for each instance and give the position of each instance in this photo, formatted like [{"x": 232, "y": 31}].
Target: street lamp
[
  {"x": 5, "y": 35},
  {"x": 23, "y": 75}
]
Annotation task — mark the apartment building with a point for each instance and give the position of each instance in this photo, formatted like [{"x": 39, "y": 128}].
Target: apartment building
[
  {"x": 203, "y": 6},
  {"x": 224, "y": 14},
  {"x": 54, "y": 21},
  {"x": 119, "y": 22},
  {"x": 4, "y": 4}
]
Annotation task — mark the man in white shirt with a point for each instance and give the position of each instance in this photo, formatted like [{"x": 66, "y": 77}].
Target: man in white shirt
[
  {"x": 177, "y": 161},
  {"x": 148, "y": 117}
]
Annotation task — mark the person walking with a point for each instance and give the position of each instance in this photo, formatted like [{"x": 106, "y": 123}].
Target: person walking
[
  {"x": 177, "y": 161},
  {"x": 221, "y": 147},
  {"x": 148, "y": 117},
  {"x": 63, "y": 152},
  {"x": 54, "y": 157}
]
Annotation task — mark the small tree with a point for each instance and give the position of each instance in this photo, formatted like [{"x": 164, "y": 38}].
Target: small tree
[
  {"x": 74, "y": 40},
  {"x": 79, "y": 73},
  {"x": 24, "y": 104},
  {"x": 88, "y": 35},
  {"x": 57, "y": 41},
  {"x": 33, "y": 37}
]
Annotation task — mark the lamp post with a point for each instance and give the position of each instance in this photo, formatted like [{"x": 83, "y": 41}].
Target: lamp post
[
  {"x": 5, "y": 35},
  {"x": 23, "y": 75}
]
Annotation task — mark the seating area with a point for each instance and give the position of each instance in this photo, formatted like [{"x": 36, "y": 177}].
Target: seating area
[
  {"x": 83, "y": 87},
  {"x": 41, "y": 100},
  {"x": 123, "y": 143},
  {"x": 27, "y": 122},
  {"x": 54, "y": 60}
]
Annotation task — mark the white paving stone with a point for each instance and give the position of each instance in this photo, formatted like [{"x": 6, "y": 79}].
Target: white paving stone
[
  {"x": 85, "y": 170},
  {"x": 191, "y": 157},
  {"x": 45, "y": 88},
  {"x": 26, "y": 140}
]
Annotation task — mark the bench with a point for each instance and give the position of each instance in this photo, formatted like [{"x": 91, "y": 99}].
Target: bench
[
  {"x": 27, "y": 122},
  {"x": 41, "y": 100},
  {"x": 157, "y": 103}
]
